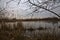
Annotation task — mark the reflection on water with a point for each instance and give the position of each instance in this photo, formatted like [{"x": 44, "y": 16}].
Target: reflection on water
[
  {"x": 38, "y": 24},
  {"x": 47, "y": 27},
  {"x": 36, "y": 28}
]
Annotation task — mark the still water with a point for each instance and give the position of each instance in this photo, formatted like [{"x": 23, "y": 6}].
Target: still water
[
  {"x": 32, "y": 27},
  {"x": 47, "y": 27},
  {"x": 38, "y": 24}
]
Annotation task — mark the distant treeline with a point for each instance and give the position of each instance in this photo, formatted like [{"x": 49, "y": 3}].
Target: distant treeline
[{"x": 34, "y": 19}]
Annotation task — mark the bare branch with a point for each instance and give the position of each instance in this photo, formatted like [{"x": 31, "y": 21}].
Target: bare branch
[
  {"x": 29, "y": 7},
  {"x": 2, "y": 9},
  {"x": 32, "y": 12},
  {"x": 25, "y": 2},
  {"x": 19, "y": 2},
  {"x": 43, "y": 8},
  {"x": 9, "y": 1}
]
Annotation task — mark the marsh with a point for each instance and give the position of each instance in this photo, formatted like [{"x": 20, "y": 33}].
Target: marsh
[{"x": 34, "y": 30}]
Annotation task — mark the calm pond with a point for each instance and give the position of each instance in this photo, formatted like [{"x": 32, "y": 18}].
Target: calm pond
[{"x": 37, "y": 28}]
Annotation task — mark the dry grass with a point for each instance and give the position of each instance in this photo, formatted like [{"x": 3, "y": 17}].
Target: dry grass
[
  {"x": 10, "y": 34},
  {"x": 15, "y": 34}
]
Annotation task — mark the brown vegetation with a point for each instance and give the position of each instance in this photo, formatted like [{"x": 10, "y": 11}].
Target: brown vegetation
[
  {"x": 34, "y": 19},
  {"x": 8, "y": 33}
]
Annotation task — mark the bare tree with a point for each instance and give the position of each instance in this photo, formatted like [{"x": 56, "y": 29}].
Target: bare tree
[
  {"x": 2, "y": 13},
  {"x": 39, "y": 5}
]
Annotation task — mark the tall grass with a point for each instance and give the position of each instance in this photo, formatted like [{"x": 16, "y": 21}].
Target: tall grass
[
  {"x": 7, "y": 33},
  {"x": 15, "y": 33}
]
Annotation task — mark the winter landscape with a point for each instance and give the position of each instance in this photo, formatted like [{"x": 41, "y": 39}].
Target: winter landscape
[{"x": 29, "y": 19}]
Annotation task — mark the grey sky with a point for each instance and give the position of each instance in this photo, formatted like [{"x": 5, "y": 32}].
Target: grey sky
[{"x": 19, "y": 10}]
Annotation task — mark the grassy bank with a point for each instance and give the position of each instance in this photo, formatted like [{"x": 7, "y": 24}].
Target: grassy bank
[{"x": 7, "y": 33}]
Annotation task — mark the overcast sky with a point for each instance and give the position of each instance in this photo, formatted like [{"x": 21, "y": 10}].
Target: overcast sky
[{"x": 19, "y": 10}]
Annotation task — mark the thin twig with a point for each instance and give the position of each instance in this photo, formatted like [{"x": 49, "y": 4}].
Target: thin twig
[{"x": 43, "y": 8}]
